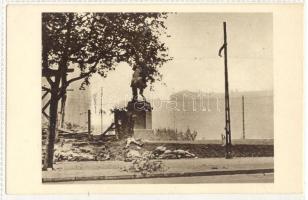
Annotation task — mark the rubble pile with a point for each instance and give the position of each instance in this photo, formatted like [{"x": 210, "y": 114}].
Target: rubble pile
[
  {"x": 159, "y": 152},
  {"x": 73, "y": 152},
  {"x": 133, "y": 150},
  {"x": 162, "y": 152},
  {"x": 140, "y": 159},
  {"x": 70, "y": 153},
  {"x": 81, "y": 147},
  {"x": 145, "y": 161},
  {"x": 78, "y": 147}
]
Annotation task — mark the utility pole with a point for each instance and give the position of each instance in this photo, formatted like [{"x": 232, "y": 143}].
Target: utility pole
[
  {"x": 243, "y": 114},
  {"x": 174, "y": 119},
  {"x": 227, "y": 103},
  {"x": 101, "y": 111},
  {"x": 89, "y": 123}
]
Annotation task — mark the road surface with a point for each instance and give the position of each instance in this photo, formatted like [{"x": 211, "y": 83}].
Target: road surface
[
  {"x": 239, "y": 178},
  {"x": 234, "y": 141}
]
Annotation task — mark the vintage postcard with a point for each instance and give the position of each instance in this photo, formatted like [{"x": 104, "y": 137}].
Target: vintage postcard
[{"x": 198, "y": 97}]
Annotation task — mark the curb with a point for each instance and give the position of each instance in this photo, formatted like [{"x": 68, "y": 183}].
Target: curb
[{"x": 157, "y": 175}]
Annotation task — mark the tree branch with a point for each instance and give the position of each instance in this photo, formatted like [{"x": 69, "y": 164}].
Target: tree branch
[
  {"x": 45, "y": 94},
  {"x": 44, "y": 113},
  {"x": 46, "y": 105},
  {"x": 46, "y": 89},
  {"x": 79, "y": 77},
  {"x": 83, "y": 75}
]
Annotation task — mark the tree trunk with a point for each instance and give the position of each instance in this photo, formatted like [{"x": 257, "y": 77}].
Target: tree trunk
[
  {"x": 53, "y": 109},
  {"x": 63, "y": 101}
]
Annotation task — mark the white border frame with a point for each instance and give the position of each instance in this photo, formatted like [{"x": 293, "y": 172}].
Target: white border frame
[{"x": 3, "y": 194}]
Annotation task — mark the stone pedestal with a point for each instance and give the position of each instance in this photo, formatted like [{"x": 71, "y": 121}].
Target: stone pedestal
[{"x": 141, "y": 112}]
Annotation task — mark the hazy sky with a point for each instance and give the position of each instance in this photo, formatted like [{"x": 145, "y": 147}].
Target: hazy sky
[{"x": 194, "y": 44}]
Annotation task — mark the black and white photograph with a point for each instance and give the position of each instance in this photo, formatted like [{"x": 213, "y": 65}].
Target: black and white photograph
[{"x": 157, "y": 97}]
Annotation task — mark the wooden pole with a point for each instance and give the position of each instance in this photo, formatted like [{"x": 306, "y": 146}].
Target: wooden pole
[
  {"x": 89, "y": 123},
  {"x": 227, "y": 100},
  {"x": 174, "y": 119},
  {"x": 243, "y": 114},
  {"x": 101, "y": 111}
]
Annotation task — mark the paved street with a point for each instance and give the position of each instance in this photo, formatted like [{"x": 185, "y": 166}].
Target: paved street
[
  {"x": 174, "y": 164},
  {"x": 184, "y": 168},
  {"x": 234, "y": 142},
  {"x": 242, "y": 178}
]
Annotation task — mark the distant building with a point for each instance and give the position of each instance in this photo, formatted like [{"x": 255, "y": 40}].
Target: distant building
[{"x": 204, "y": 112}]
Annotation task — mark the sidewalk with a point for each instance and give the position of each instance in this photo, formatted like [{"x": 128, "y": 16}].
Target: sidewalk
[{"x": 111, "y": 170}]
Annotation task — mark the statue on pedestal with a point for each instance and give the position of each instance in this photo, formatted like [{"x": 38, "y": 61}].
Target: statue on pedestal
[
  {"x": 138, "y": 81},
  {"x": 137, "y": 114},
  {"x": 140, "y": 111}
]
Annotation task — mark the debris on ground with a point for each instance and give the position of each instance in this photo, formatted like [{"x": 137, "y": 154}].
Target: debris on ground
[
  {"x": 143, "y": 164},
  {"x": 162, "y": 152},
  {"x": 131, "y": 154},
  {"x": 126, "y": 150},
  {"x": 151, "y": 161},
  {"x": 140, "y": 160},
  {"x": 70, "y": 153},
  {"x": 133, "y": 149},
  {"x": 159, "y": 150},
  {"x": 81, "y": 147},
  {"x": 132, "y": 140}
]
